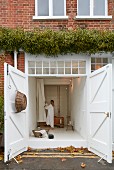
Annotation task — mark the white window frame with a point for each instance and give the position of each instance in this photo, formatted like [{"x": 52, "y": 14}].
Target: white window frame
[
  {"x": 102, "y": 56},
  {"x": 50, "y": 12},
  {"x": 91, "y": 16},
  {"x": 50, "y": 68}
]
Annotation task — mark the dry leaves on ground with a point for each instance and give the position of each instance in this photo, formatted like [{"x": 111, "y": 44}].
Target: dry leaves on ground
[
  {"x": 63, "y": 159},
  {"x": 1, "y": 156},
  {"x": 83, "y": 165},
  {"x": 19, "y": 157},
  {"x": 29, "y": 149}
]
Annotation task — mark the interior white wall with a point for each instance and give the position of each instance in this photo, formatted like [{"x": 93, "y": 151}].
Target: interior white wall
[
  {"x": 60, "y": 102},
  {"x": 64, "y": 102},
  {"x": 78, "y": 105},
  {"x": 32, "y": 104},
  {"x": 51, "y": 94},
  {"x": 57, "y": 81}
]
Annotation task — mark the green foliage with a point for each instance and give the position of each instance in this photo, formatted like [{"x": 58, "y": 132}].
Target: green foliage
[
  {"x": 1, "y": 113},
  {"x": 52, "y": 43}
]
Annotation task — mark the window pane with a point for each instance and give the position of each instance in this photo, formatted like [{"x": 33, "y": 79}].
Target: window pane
[
  {"x": 98, "y": 60},
  {"x": 53, "y": 71},
  {"x": 39, "y": 71},
  {"x": 60, "y": 63},
  {"x": 105, "y": 60},
  {"x": 39, "y": 64},
  {"x": 45, "y": 70},
  {"x": 97, "y": 66},
  {"x": 82, "y": 64},
  {"x": 99, "y": 7},
  {"x": 92, "y": 60},
  {"x": 74, "y": 70},
  {"x": 67, "y": 70},
  {"x": 52, "y": 63},
  {"x": 74, "y": 63},
  {"x": 46, "y": 64},
  {"x": 67, "y": 63},
  {"x": 82, "y": 71},
  {"x": 58, "y": 7},
  {"x": 31, "y": 64},
  {"x": 83, "y": 7},
  {"x": 31, "y": 70},
  {"x": 43, "y": 7},
  {"x": 61, "y": 71},
  {"x": 93, "y": 67}
]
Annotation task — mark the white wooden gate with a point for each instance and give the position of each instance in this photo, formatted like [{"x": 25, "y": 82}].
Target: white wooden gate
[
  {"x": 100, "y": 109},
  {"x": 15, "y": 130}
]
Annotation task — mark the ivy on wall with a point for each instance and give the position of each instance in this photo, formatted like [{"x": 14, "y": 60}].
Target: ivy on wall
[{"x": 50, "y": 42}]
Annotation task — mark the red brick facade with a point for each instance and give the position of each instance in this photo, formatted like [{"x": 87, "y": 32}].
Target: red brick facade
[
  {"x": 4, "y": 58},
  {"x": 9, "y": 58},
  {"x": 19, "y": 13},
  {"x": 21, "y": 61}
]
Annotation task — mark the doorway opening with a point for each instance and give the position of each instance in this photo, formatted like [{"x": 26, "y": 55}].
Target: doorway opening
[{"x": 70, "y": 111}]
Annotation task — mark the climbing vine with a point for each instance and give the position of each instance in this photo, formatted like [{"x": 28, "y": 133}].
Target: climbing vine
[{"x": 50, "y": 42}]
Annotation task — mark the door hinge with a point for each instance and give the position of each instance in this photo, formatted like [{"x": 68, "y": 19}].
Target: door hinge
[
  {"x": 7, "y": 69},
  {"x": 108, "y": 114},
  {"x": 8, "y": 156}
]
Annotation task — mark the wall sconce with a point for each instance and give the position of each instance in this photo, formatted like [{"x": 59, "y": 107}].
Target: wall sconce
[{"x": 71, "y": 82}]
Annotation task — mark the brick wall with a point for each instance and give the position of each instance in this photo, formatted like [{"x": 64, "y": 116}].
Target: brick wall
[
  {"x": 21, "y": 61},
  {"x": 19, "y": 13},
  {"x": 10, "y": 60}
]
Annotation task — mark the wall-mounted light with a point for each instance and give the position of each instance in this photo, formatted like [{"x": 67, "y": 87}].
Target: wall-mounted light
[{"x": 70, "y": 82}]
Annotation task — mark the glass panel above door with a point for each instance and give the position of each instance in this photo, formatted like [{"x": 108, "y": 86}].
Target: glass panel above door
[{"x": 54, "y": 67}]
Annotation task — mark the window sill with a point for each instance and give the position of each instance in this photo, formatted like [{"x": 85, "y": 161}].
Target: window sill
[
  {"x": 93, "y": 17},
  {"x": 50, "y": 17}
]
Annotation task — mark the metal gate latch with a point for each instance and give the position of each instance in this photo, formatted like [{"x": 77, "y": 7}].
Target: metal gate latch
[{"x": 107, "y": 114}]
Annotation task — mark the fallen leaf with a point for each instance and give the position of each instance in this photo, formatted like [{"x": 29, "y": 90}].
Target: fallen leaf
[
  {"x": 80, "y": 151},
  {"x": 62, "y": 150},
  {"x": 29, "y": 148},
  {"x": 70, "y": 149},
  {"x": 83, "y": 165},
  {"x": 20, "y": 161},
  {"x": 19, "y": 157},
  {"x": 48, "y": 148},
  {"x": 63, "y": 159},
  {"x": 1, "y": 157}
]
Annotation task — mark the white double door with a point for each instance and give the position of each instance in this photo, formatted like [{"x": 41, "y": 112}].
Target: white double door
[
  {"x": 100, "y": 112},
  {"x": 100, "y": 129},
  {"x": 15, "y": 124}
]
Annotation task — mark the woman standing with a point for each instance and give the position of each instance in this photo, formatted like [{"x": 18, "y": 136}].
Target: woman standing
[{"x": 50, "y": 115}]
